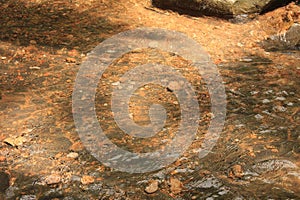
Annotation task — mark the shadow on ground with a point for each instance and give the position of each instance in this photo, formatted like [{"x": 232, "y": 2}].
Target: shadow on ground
[{"x": 53, "y": 24}]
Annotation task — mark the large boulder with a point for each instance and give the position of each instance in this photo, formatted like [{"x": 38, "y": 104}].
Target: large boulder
[{"x": 224, "y": 8}]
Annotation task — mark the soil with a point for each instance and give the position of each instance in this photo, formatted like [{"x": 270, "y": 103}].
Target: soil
[{"x": 43, "y": 43}]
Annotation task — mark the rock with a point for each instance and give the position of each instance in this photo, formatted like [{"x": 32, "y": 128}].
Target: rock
[
  {"x": 34, "y": 68},
  {"x": 75, "y": 178},
  {"x": 223, "y": 8},
  {"x": 280, "y": 98},
  {"x": 279, "y": 108},
  {"x": 15, "y": 142},
  {"x": 265, "y": 101},
  {"x": 33, "y": 42},
  {"x": 258, "y": 117},
  {"x": 4, "y": 181},
  {"x": 28, "y": 197},
  {"x": 287, "y": 40},
  {"x": 73, "y": 155},
  {"x": 152, "y": 187},
  {"x": 85, "y": 180},
  {"x": 175, "y": 185},
  {"x": 272, "y": 165},
  {"x": 53, "y": 179}
]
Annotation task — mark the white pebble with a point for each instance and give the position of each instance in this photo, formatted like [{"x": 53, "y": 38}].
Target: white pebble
[
  {"x": 72, "y": 155},
  {"x": 280, "y": 98},
  {"x": 279, "y": 109},
  {"x": 258, "y": 116},
  {"x": 266, "y": 101}
]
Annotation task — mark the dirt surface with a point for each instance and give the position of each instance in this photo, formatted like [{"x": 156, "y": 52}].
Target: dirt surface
[{"x": 42, "y": 45}]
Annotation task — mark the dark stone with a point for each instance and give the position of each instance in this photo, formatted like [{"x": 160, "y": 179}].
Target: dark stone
[{"x": 221, "y": 8}]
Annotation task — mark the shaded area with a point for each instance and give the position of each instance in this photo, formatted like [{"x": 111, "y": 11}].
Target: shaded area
[
  {"x": 4, "y": 184},
  {"x": 278, "y": 4},
  {"x": 54, "y": 24}
]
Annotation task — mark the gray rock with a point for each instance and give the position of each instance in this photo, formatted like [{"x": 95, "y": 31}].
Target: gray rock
[
  {"x": 220, "y": 7},
  {"x": 28, "y": 197},
  {"x": 288, "y": 40}
]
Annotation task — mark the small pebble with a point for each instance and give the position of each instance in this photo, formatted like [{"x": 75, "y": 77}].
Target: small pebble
[
  {"x": 246, "y": 60},
  {"x": 269, "y": 92},
  {"x": 116, "y": 83},
  {"x": 266, "y": 101},
  {"x": 72, "y": 155},
  {"x": 75, "y": 178},
  {"x": 28, "y": 197},
  {"x": 280, "y": 98},
  {"x": 258, "y": 116},
  {"x": 240, "y": 125},
  {"x": 279, "y": 109},
  {"x": 32, "y": 42},
  {"x": 53, "y": 179},
  {"x": 152, "y": 187},
  {"x": 34, "y": 68}
]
